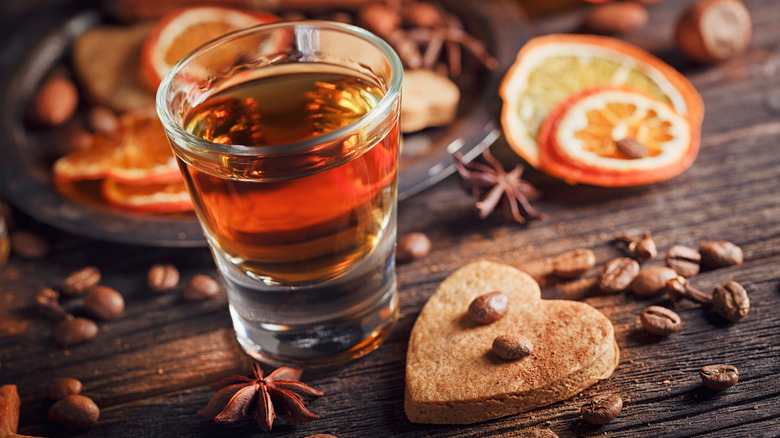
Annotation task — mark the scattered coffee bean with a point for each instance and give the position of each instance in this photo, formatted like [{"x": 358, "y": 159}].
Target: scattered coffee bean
[
  {"x": 618, "y": 274},
  {"x": 574, "y": 263},
  {"x": 512, "y": 347},
  {"x": 163, "y": 278},
  {"x": 75, "y": 412},
  {"x": 47, "y": 303},
  {"x": 731, "y": 301},
  {"x": 641, "y": 248},
  {"x": 631, "y": 148},
  {"x": 104, "y": 303},
  {"x": 719, "y": 377},
  {"x": 81, "y": 281},
  {"x": 73, "y": 331},
  {"x": 684, "y": 260},
  {"x": 651, "y": 282},
  {"x": 200, "y": 287},
  {"x": 602, "y": 409},
  {"x": 63, "y": 387},
  {"x": 680, "y": 288},
  {"x": 103, "y": 120},
  {"x": 660, "y": 321},
  {"x": 28, "y": 245},
  {"x": 413, "y": 246},
  {"x": 716, "y": 255},
  {"x": 488, "y": 308}
]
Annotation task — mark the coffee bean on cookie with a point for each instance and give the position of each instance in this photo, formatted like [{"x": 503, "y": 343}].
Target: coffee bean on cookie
[
  {"x": 512, "y": 347},
  {"x": 489, "y": 307}
]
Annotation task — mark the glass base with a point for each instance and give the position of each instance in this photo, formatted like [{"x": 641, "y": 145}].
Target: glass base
[{"x": 315, "y": 347}]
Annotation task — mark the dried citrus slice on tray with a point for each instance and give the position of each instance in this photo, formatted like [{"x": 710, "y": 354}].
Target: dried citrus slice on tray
[
  {"x": 549, "y": 69},
  {"x": 579, "y": 141},
  {"x": 149, "y": 198},
  {"x": 138, "y": 154},
  {"x": 182, "y": 31}
]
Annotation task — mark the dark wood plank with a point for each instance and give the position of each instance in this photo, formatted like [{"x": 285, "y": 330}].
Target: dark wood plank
[{"x": 149, "y": 370}]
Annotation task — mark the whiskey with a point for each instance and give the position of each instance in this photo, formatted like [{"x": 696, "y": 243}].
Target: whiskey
[{"x": 303, "y": 229}]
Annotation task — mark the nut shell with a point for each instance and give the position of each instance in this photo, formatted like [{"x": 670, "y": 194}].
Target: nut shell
[{"x": 714, "y": 30}]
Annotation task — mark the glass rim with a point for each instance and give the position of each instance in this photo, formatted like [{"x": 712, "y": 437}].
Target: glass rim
[{"x": 184, "y": 137}]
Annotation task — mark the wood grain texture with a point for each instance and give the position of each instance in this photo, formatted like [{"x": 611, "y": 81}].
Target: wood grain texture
[{"x": 149, "y": 370}]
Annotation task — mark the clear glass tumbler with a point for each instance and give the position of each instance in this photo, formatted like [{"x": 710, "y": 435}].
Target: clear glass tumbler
[{"x": 287, "y": 137}]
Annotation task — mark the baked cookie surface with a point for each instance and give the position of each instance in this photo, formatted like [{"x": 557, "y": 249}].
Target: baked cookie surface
[{"x": 453, "y": 377}]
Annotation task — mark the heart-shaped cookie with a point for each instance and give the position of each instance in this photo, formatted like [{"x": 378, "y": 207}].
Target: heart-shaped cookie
[{"x": 453, "y": 377}]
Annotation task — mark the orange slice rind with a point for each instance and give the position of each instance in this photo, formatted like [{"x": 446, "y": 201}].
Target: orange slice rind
[
  {"x": 138, "y": 154},
  {"x": 149, "y": 198},
  {"x": 578, "y": 141},
  {"x": 549, "y": 69},
  {"x": 182, "y": 31}
]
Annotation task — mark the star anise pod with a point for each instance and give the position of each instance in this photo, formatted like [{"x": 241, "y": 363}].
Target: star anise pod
[
  {"x": 280, "y": 394},
  {"x": 492, "y": 183}
]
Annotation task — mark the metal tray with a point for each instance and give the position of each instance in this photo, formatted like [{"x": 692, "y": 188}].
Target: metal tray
[{"x": 25, "y": 159}]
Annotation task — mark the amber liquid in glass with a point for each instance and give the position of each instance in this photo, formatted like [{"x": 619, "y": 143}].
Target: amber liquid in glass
[{"x": 304, "y": 229}]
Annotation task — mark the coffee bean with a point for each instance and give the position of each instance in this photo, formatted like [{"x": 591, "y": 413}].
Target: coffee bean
[
  {"x": 631, "y": 148},
  {"x": 489, "y": 307},
  {"x": 574, "y": 263},
  {"x": 618, "y": 274},
  {"x": 602, "y": 409},
  {"x": 651, "y": 282},
  {"x": 81, "y": 281},
  {"x": 63, "y": 387},
  {"x": 684, "y": 260},
  {"x": 413, "y": 246},
  {"x": 163, "y": 278},
  {"x": 719, "y": 377},
  {"x": 512, "y": 347},
  {"x": 200, "y": 287},
  {"x": 75, "y": 412},
  {"x": 104, "y": 303},
  {"x": 716, "y": 255},
  {"x": 731, "y": 301},
  {"x": 28, "y": 245},
  {"x": 660, "y": 321},
  {"x": 74, "y": 331}
]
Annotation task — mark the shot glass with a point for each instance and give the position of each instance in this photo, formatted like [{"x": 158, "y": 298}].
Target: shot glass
[{"x": 287, "y": 137}]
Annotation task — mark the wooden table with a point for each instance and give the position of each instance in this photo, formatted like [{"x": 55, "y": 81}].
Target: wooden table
[{"x": 150, "y": 370}]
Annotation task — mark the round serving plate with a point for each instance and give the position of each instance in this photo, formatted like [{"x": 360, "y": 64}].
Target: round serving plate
[{"x": 44, "y": 44}]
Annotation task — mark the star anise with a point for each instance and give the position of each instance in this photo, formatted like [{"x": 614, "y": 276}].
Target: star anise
[
  {"x": 280, "y": 394},
  {"x": 492, "y": 184}
]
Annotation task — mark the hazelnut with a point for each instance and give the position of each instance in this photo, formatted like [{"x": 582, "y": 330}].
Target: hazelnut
[
  {"x": 379, "y": 18},
  {"x": 55, "y": 102},
  {"x": 714, "y": 30}
]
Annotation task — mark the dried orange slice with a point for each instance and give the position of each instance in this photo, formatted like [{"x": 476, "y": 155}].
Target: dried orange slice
[
  {"x": 138, "y": 154},
  {"x": 149, "y": 198},
  {"x": 549, "y": 69},
  {"x": 578, "y": 141},
  {"x": 182, "y": 31}
]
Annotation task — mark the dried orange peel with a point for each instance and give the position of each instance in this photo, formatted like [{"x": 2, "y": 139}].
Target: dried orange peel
[
  {"x": 578, "y": 141},
  {"x": 148, "y": 198},
  {"x": 550, "y": 69},
  {"x": 137, "y": 154},
  {"x": 183, "y": 30}
]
